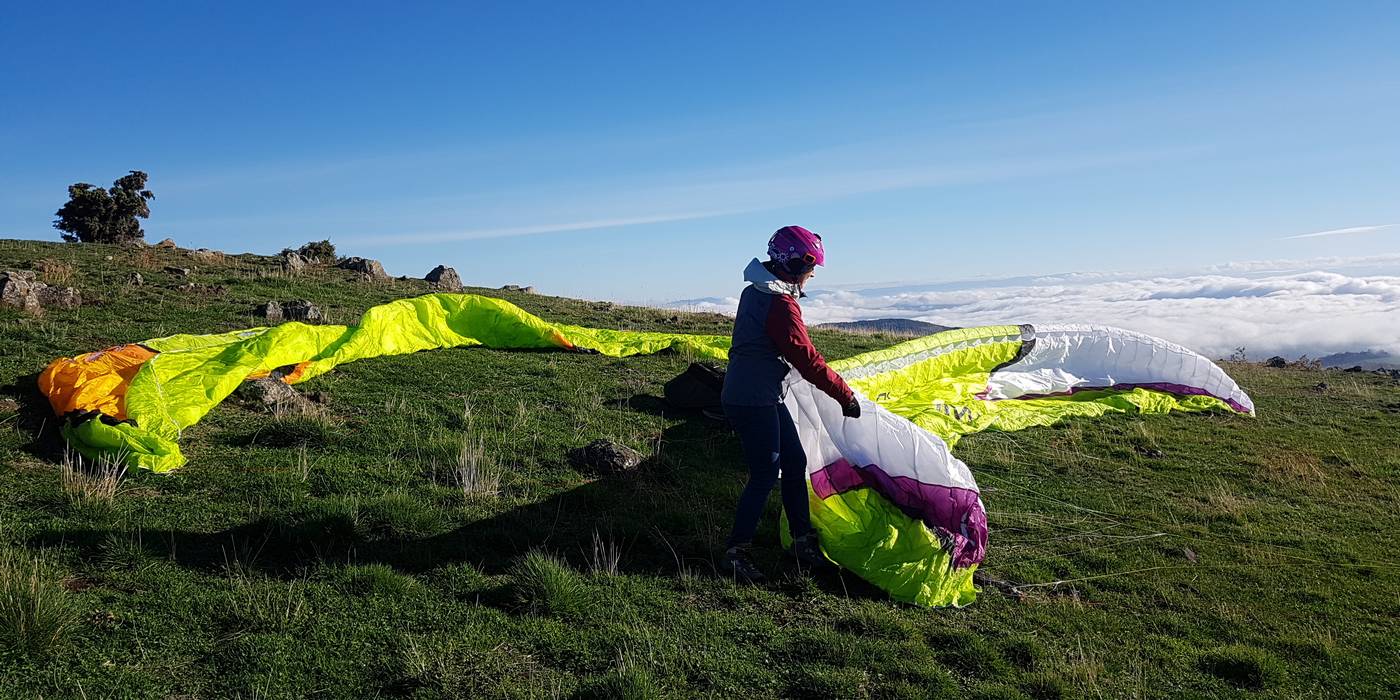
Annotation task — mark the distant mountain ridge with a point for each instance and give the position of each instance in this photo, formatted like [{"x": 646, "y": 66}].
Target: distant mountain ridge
[
  {"x": 899, "y": 326},
  {"x": 1366, "y": 359}
]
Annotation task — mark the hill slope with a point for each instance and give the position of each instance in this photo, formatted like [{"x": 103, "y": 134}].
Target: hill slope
[{"x": 339, "y": 555}]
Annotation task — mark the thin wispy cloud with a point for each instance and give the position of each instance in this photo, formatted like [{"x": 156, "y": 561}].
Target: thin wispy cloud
[
  {"x": 473, "y": 234},
  {"x": 687, "y": 196},
  {"x": 1342, "y": 231}
]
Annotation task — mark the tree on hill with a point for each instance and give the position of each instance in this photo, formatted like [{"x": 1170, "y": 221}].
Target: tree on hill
[{"x": 95, "y": 215}]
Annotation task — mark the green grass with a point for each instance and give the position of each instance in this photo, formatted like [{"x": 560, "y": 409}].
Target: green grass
[{"x": 341, "y": 555}]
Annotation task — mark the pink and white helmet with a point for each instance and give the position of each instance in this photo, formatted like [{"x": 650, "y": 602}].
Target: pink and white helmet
[{"x": 795, "y": 247}]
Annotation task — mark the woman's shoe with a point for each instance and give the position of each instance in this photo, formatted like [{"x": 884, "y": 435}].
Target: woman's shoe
[
  {"x": 738, "y": 563},
  {"x": 808, "y": 550}
]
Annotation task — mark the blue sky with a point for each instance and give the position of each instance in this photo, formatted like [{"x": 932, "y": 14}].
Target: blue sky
[{"x": 644, "y": 151}]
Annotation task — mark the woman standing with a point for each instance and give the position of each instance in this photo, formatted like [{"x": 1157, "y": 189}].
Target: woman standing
[{"x": 769, "y": 340}]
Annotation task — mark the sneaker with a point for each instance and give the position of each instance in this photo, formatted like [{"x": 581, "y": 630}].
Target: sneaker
[
  {"x": 737, "y": 562},
  {"x": 808, "y": 551}
]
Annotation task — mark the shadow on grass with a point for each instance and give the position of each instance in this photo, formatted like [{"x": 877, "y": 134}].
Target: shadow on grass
[
  {"x": 669, "y": 518},
  {"x": 36, "y": 419}
]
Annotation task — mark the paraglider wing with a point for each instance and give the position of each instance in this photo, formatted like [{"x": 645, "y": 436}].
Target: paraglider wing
[
  {"x": 134, "y": 403},
  {"x": 892, "y": 502}
]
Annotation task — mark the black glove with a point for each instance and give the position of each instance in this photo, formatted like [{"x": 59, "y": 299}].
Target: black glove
[{"x": 852, "y": 408}]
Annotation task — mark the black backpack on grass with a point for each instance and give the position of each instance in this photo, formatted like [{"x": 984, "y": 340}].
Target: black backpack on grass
[{"x": 697, "y": 388}]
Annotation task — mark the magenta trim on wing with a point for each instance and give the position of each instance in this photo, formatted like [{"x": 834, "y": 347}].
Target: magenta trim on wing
[
  {"x": 1167, "y": 387},
  {"x": 955, "y": 514}
]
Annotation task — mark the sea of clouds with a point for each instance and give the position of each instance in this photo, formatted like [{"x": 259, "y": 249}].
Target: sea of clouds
[{"x": 1288, "y": 308}]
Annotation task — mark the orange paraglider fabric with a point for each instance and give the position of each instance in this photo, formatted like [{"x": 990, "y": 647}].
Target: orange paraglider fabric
[{"x": 96, "y": 381}]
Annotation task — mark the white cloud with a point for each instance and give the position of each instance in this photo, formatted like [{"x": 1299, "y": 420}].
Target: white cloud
[
  {"x": 1291, "y": 312},
  {"x": 1343, "y": 231}
]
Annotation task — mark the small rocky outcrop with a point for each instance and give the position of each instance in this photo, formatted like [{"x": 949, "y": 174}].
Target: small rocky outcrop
[
  {"x": 1276, "y": 362},
  {"x": 207, "y": 290},
  {"x": 293, "y": 263},
  {"x": 295, "y": 310},
  {"x": 605, "y": 457},
  {"x": 135, "y": 280},
  {"x": 179, "y": 271},
  {"x": 444, "y": 278},
  {"x": 20, "y": 289},
  {"x": 279, "y": 398},
  {"x": 59, "y": 298},
  {"x": 302, "y": 310},
  {"x": 206, "y": 255},
  {"x": 371, "y": 269},
  {"x": 168, "y": 243},
  {"x": 518, "y": 288}
]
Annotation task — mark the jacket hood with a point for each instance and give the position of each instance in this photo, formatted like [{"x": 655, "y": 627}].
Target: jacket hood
[{"x": 768, "y": 283}]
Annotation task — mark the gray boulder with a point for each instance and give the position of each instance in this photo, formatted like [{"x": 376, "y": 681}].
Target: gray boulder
[
  {"x": 605, "y": 457},
  {"x": 295, "y": 310},
  {"x": 59, "y": 298},
  {"x": 302, "y": 310},
  {"x": 1276, "y": 362},
  {"x": 444, "y": 278},
  {"x": 279, "y": 398},
  {"x": 365, "y": 266},
  {"x": 293, "y": 263},
  {"x": 179, "y": 271},
  {"x": 167, "y": 243},
  {"x": 19, "y": 289}
]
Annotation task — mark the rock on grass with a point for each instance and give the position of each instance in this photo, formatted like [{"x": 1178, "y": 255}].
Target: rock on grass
[
  {"x": 605, "y": 457},
  {"x": 371, "y": 269}
]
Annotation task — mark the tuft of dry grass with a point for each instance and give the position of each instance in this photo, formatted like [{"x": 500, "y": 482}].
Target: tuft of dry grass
[
  {"x": 36, "y": 613},
  {"x": 476, "y": 470},
  {"x": 55, "y": 272},
  {"x": 91, "y": 483},
  {"x": 1225, "y": 503},
  {"x": 147, "y": 259},
  {"x": 1083, "y": 669},
  {"x": 605, "y": 557},
  {"x": 1294, "y": 466},
  {"x": 303, "y": 463}
]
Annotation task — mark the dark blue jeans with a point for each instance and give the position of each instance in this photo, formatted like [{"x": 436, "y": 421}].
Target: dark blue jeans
[{"x": 770, "y": 445}]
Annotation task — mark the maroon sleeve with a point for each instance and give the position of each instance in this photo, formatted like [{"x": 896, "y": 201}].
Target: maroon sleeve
[{"x": 788, "y": 332}]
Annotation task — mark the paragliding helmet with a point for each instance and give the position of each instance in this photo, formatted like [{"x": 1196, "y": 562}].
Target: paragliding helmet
[{"x": 795, "y": 250}]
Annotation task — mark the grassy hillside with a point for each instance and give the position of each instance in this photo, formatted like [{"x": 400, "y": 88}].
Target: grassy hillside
[{"x": 340, "y": 556}]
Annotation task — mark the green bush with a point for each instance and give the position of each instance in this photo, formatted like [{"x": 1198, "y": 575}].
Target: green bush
[
  {"x": 545, "y": 585},
  {"x": 399, "y": 515},
  {"x": 629, "y": 683},
  {"x": 374, "y": 580},
  {"x": 321, "y": 252},
  {"x": 1243, "y": 666}
]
